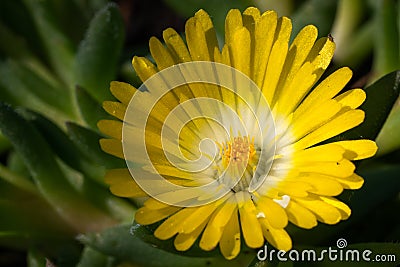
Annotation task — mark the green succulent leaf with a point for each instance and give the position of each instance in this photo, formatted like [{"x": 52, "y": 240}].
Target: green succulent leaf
[
  {"x": 147, "y": 235},
  {"x": 388, "y": 139},
  {"x": 19, "y": 180},
  {"x": 88, "y": 143},
  {"x": 120, "y": 243},
  {"x": 94, "y": 189},
  {"x": 381, "y": 97},
  {"x": 59, "y": 48},
  {"x": 47, "y": 175},
  {"x": 63, "y": 147},
  {"x": 91, "y": 257},
  {"x": 16, "y": 206},
  {"x": 50, "y": 92},
  {"x": 386, "y": 37},
  {"x": 16, "y": 29},
  {"x": 90, "y": 110},
  {"x": 19, "y": 93},
  {"x": 98, "y": 53},
  {"x": 35, "y": 259}
]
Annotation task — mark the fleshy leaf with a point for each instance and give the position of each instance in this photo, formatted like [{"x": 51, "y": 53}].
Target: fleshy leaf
[
  {"x": 88, "y": 143},
  {"x": 388, "y": 139},
  {"x": 120, "y": 243},
  {"x": 93, "y": 189},
  {"x": 49, "y": 91},
  {"x": 35, "y": 259},
  {"x": 18, "y": 93},
  {"x": 63, "y": 147},
  {"x": 90, "y": 110},
  {"x": 386, "y": 38},
  {"x": 47, "y": 175},
  {"x": 98, "y": 53},
  {"x": 91, "y": 257},
  {"x": 16, "y": 29},
  {"x": 381, "y": 97},
  {"x": 59, "y": 48},
  {"x": 16, "y": 205},
  {"x": 147, "y": 235}
]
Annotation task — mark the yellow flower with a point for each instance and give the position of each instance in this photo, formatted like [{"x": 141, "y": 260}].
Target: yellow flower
[{"x": 276, "y": 171}]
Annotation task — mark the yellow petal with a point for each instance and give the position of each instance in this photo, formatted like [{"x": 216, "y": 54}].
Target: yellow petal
[
  {"x": 122, "y": 91},
  {"x": 338, "y": 125},
  {"x": 263, "y": 41},
  {"x": 358, "y": 149},
  {"x": 111, "y": 128},
  {"x": 154, "y": 204},
  {"x": 277, "y": 237},
  {"x": 313, "y": 118},
  {"x": 115, "y": 109},
  {"x": 301, "y": 216},
  {"x": 224, "y": 213},
  {"x": 160, "y": 54},
  {"x": 298, "y": 52},
  {"x": 327, "y": 152},
  {"x": 196, "y": 40},
  {"x": 325, "y": 90},
  {"x": 143, "y": 67},
  {"x": 275, "y": 214},
  {"x": 209, "y": 32},
  {"x": 274, "y": 69},
  {"x": 283, "y": 29},
  {"x": 291, "y": 95},
  {"x": 122, "y": 184},
  {"x": 251, "y": 228},
  {"x": 321, "y": 55},
  {"x": 240, "y": 50},
  {"x": 173, "y": 224},
  {"x": 215, "y": 227},
  {"x": 342, "y": 168},
  {"x": 225, "y": 56},
  {"x": 233, "y": 22},
  {"x": 145, "y": 216},
  {"x": 352, "y": 182},
  {"x": 344, "y": 210},
  {"x": 352, "y": 98},
  {"x": 322, "y": 185},
  {"x": 230, "y": 240},
  {"x": 184, "y": 241},
  {"x": 325, "y": 212},
  {"x": 200, "y": 215},
  {"x": 113, "y": 147},
  {"x": 176, "y": 172},
  {"x": 294, "y": 188},
  {"x": 251, "y": 17},
  {"x": 176, "y": 45},
  {"x": 276, "y": 60}
]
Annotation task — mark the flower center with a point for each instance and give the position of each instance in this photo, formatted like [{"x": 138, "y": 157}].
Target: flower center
[{"x": 239, "y": 159}]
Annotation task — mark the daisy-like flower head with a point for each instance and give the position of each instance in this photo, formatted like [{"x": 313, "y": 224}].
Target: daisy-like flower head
[{"x": 226, "y": 143}]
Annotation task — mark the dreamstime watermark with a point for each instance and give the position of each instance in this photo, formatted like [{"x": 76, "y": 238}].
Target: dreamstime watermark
[{"x": 334, "y": 254}]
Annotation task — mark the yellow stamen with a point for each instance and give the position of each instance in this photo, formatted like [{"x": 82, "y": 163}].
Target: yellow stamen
[{"x": 240, "y": 158}]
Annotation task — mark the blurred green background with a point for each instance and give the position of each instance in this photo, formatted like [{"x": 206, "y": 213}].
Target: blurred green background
[{"x": 57, "y": 59}]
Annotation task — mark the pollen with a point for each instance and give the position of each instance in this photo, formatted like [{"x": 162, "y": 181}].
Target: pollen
[
  {"x": 239, "y": 158},
  {"x": 239, "y": 151}
]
